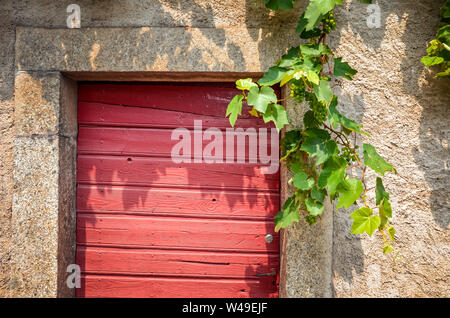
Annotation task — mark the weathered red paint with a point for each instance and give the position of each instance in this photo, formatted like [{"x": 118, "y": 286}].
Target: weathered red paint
[
  {"x": 132, "y": 200},
  {"x": 147, "y": 227}
]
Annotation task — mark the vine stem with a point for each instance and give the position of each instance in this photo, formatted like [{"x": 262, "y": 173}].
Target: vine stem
[
  {"x": 364, "y": 185},
  {"x": 306, "y": 84},
  {"x": 339, "y": 135},
  {"x": 385, "y": 239},
  {"x": 283, "y": 99},
  {"x": 346, "y": 143}
]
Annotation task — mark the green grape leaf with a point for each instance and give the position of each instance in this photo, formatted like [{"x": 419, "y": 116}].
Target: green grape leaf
[
  {"x": 445, "y": 11},
  {"x": 288, "y": 215},
  {"x": 260, "y": 98},
  {"x": 279, "y": 4},
  {"x": 305, "y": 69},
  {"x": 391, "y": 232},
  {"x": 373, "y": 160},
  {"x": 313, "y": 50},
  {"x": 365, "y": 1},
  {"x": 380, "y": 193},
  {"x": 291, "y": 142},
  {"x": 245, "y": 84},
  {"x": 387, "y": 249},
  {"x": 387, "y": 209},
  {"x": 287, "y": 77},
  {"x": 382, "y": 200},
  {"x": 332, "y": 174},
  {"x": 323, "y": 91},
  {"x": 432, "y": 60},
  {"x": 351, "y": 190},
  {"x": 316, "y": 9},
  {"x": 277, "y": 114},
  {"x": 302, "y": 23},
  {"x": 310, "y": 219},
  {"x": 309, "y": 120},
  {"x": 314, "y": 208},
  {"x": 234, "y": 109},
  {"x": 253, "y": 112},
  {"x": 385, "y": 212},
  {"x": 443, "y": 34},
  {"x": 308, "y": 64},
  {"x": 318, "y": 194},
  {"x": 317, "y": 143},
  {"x": 312, "y": 15},
  {"x": 335, "y": 118},
  {"x": 303, "y": 181},
  {"x": 439, "y": 49},
  {"x": 364, "y": 221},
  {"x": 290, "y": 58},
  {"x": 433, "y": 46},
  {"x": 343, "y": 69},
  {"x": 297, "y": 166},
  {"x": 272, "y": 76},
  {"x": 312, "y": 76},
  {"x": 315, "y": 32}
]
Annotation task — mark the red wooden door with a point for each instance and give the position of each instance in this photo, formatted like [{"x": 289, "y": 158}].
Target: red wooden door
[{"x": 148, "y": 226}]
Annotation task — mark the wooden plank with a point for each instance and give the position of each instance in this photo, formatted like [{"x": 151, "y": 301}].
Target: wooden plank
[
  {"x": 157, "y": 142},
  {"x": 175, "y": 233},
  {"x": 119, "y": 170},
  {"x": 151, "y": 287},
  {"x": 150, "y": 76},
  {"x": 99, "y": 114},
  {"x": 202, "y": 100},
  {"x": 95, "y": 260},
  {"x": 182, "y": 202}
]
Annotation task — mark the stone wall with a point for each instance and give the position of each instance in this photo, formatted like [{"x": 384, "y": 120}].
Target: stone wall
[{"x": 399, "y": 102}]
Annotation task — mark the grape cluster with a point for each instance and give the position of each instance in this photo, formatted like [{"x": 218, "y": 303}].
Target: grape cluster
[
  {"x": 298, "y": 91},
  {"x": 329, "y": 23},
  {"x": 348, "y": 155},
  {"x": 320, "y": 111},
  {"x": 319, "y": 108}
]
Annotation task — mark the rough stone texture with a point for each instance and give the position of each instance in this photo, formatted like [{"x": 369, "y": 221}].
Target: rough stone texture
[
  {"x": 406, "y": 111},
  {"x": 43, "y": 212},
  {"x": 37, "y": 104},
  {"x": 400, "y": 103},
  {"x": 150, "y": 49},
  {"x": 7, "y": 39},
  {"x": 166, "y": 13},
  {"x": 6, "y": 189},
  {"x": 35, "y": 217}
]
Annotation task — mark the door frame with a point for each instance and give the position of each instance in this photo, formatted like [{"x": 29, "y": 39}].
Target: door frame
[
  {"x": 58, "y": 157},
  {"x": 180, "y": 78}
]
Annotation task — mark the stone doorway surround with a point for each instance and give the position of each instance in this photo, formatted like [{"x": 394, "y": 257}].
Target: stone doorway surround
[{"x": 49, "y": 63}]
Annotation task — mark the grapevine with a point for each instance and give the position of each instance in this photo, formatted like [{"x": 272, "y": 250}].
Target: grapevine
[
  {"x": 329, "y": 23},
  {"x": 439, "y": 49},
  {"x": 322, "y": 154}
]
